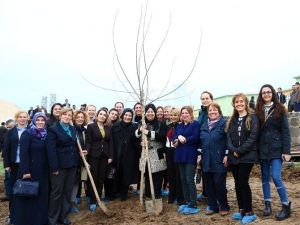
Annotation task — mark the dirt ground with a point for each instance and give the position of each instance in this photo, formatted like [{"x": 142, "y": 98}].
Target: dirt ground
[{"x": 130, "y": 211}]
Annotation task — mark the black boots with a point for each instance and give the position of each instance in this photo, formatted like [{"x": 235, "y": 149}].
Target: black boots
[
  {"x": 268, "y": 209},
  {"x": 284, "y": 213}
]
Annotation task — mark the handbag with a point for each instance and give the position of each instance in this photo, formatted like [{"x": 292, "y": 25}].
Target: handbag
[{"x": 26, "y": 188}]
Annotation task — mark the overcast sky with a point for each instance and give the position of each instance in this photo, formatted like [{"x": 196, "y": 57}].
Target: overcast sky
[{"x": 47, "y": 46}]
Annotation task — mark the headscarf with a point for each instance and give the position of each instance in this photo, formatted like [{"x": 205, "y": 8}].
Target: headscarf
[{"x": 40, "y": 133}]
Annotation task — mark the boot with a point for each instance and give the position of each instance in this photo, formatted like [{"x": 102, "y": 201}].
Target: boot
[
  {"x": 284, "y": 213},
  {"x": 268, "y": 209}
]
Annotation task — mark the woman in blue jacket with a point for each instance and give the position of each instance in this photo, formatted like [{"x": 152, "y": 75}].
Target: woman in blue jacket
[
  {"x": 214, "y": 160},
  {"x": 186, "y": 140},
  {"x": 274, "y": 147}
]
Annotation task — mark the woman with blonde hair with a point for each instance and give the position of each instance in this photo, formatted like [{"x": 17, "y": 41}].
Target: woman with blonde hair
[{"x": 242, "y": 131}]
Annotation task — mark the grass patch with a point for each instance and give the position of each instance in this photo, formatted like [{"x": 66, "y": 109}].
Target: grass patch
[{"x": 1, "y": 168}]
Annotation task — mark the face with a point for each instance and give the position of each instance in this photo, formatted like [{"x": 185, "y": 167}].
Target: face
[
  {"x": 56, "y": 110},
  {"x": 240, "y": 104},
  {"x": 213, "y": 113},
  {"x": 10, "y": 125},
  {"x": 113, "y": 115},
  {"x": 294, "y": 87},
  {"x": 66, "y": 117},
  {"x": 185, "y": 116},
  {"x": 205, "y": 99},
  {"x": 167, "y": 113},
  {"x": 127, "y": 117},
  {"x": 119, "y": 107},
  {"x": 40, "y": 122},
  {"x": 91, "y": 111},
  {"x": 22, "y": 119},
  {"x": 138, "y": 110},
  {"x": 266, "y": 93},
  {"x": 101, "y": 118},
  {"x": 279, "y": 90},
  {"x": 79, "y": 120},
  {"x": 160, "y": 113},
  {"x": 150, "y": 115},
  {"x": 174, "y": 118}
]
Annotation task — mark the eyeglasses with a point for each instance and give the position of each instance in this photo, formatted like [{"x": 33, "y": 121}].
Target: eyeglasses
[{"x": 267, "y": 93}]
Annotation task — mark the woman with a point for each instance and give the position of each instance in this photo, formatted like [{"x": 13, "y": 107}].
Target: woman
[
  {"x": 125, "y": 154},
  {"x": 273, "y": 147},
  {"x": 11, "y": 152},
  {"x": 91, "y": 112},
  {"x": 80, "y": 120},
  {"x": 175, "y": 189},
  {"x": 156, "y": 136},
  {"x": 242, "y": 131},
  {"x": 113, "y": 116},
  {"x": 214, "y": 160},
  {"x": 99, "y": 152},
  {"x": 63, "y": 159},
  {"x": 186, "y": 141},
  {"x": 54, "y": 114},
  {"x": 33, "y": 165},
  {"x": 160, "y": 113}
]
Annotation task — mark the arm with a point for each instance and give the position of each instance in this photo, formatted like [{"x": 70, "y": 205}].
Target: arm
[
  {"x": 286, "y": 136},
  {"x": 6, "y": 151},
  {"x": 51, "y": 150},
  {"x": 25, "y": 157}
]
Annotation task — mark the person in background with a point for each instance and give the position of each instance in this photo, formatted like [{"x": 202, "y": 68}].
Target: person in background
[
  {"x": 213, "y": 157},
  {"x": 242, "y": 131},
  {"x": 166, "y": 117},
  {"x": 63, "y": 160},
  {"x": 252, "y": 103},
  {"x": 120, "y": 107},
  {"x": 31, "y": 112},
  {"x": 292, "y": 99},
  {"x": 54, "y": 114},
  {"x": 66, "y": 104},
  {"x": 83, "y": 107},
  {"x": 280, "y": 96},
  {"x": 175, "y": 188},
  {"x": 99, "y": 152},
  {"x": 11, "y": 152},
  {"x": 160, "y": 113},
  {"x": 186, "y": 141},
  {"x": 33, "y": 165},
  {"x": 297, "y": 97},
  {"x": 91, "y": 112},
  {"x": 137, "y": 112},
  {"x": 274, "y": 147}
]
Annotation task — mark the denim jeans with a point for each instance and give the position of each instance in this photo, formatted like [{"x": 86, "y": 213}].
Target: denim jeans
[
  {"x": 187, "y": 174},
  {"x": 272, "y": 169}
]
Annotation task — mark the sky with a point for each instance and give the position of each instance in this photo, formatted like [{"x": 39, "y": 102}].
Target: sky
[{"x": 56, "y": 46}]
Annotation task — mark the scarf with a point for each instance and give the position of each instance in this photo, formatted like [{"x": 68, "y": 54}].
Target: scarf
[
  {"x": 267, "y": 108},
  {"x": 66, "y": 127},
  {"x": 211, "y": 123}
]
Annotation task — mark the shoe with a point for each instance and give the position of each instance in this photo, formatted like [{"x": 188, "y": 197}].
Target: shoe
[
  {"x": 65, "y": 222},
  {"x": 209, "y": 211},
  {"x": 224, "y": 212},
  {"x": 284, "y": 213},
  {"x": 181, "y": 208},
  {"x": 249, "y": 218},
  {"x": 268, "y": 209},
  {"x": 93, "y": 207},
  {"x": 7, "y": 220},
  {"x": 74, "y": 210},
  {"x": 78, "y": 200},
  {"x": 237, "y": 216},
  {"x": 164, "y": 193},
  {"x": 189, "y": 211}
]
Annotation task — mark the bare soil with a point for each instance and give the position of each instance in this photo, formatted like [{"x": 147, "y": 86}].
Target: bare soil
[{"x": 130, "y": 211}]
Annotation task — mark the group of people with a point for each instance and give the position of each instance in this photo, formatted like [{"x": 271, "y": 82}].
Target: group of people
[{"x": 50, "y": 151}]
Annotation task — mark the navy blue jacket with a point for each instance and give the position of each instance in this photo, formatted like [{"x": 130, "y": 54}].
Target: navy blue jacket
[
  {"x": 274, "y": 138},
  {"x": 62, "y": 149},
  {"x": 213, "y": 145}
]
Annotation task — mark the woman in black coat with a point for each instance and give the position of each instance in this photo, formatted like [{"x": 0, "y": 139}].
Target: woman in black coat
[
  {"x": 242, "y": 131},
  {"x": 126, "y": 156},
  {"x": 34, "y": 165}
]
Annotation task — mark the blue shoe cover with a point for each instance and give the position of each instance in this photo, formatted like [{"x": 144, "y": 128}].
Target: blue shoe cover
[
  {"x": 88, "y": 200},
  {"x": 248, "y": 219},
  {"x": 74, "y": 210},
  {"x": 237, "y": 216},
  {"x": 181, "y": 208},
  {"x": 78, "y": 201},
  {"x": 189, "y": 211},
  {"x": 93, "y": 207}
]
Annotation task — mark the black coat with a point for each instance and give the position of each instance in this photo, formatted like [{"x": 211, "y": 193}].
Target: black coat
[
  {"x": 245, "y": 144},
  {"x": 96, "y": 144},
  {"x": 125, "y": 151},
  {"x": 274, "y": 138},
  {"x": 33, "y": 160},
  {"x": 62, "y": 149}
]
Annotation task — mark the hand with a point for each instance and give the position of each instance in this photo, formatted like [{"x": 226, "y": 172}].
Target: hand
[
  {"x": 109, "y": 161},
  {"x": 55, "y": 173},
  {"x": 236, "y": 154},
  {"x": 7, "y": 169},
  {"x": 84, "y": 152},
  {"x": 175, "y": 143},
  {"x": 27, "y": 176},
  {"x": 286, "y": 157},
  {"x": 181, "y": 139},
  {"x": 225, "y": 161},
  {"x": 198, "y": 159}
]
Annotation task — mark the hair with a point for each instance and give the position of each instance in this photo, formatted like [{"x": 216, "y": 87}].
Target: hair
[
  {"x": 17, "y": 114},
  {"x": 120, "y": 103},
  {"x": 88, "y": 106},
  {"x": 102, "y": 109},
  {"x": 189, "y": 109},
  {"x": 65, "y": 110},
  {"x": 217, "y": 106},
  {"x": 279, "y": 109},
  {"x": 109, "y": 122},
  {"x": 52, "y": 108},
  {"x": 210, "y": 94},
  {"x": 85, "y": 122},
  {"x": 138, "y": 103},
  {"x": 235, "y": 113},
  {"x": 176, "y": 112}
]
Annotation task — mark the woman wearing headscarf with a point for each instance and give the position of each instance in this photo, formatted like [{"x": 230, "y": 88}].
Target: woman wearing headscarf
[
  {"x": 156, "y": 135},
  {"x": 125, "y": 154},
  {"x": 33, "y": 165}
]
